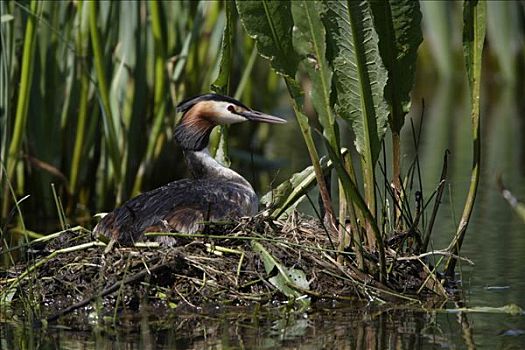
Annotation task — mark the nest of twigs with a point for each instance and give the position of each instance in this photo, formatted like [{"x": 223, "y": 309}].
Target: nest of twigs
[{"x": 227, "y": 264}]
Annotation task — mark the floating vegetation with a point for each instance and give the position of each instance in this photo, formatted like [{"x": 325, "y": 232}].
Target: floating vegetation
[{"x": 254, "y": 260}]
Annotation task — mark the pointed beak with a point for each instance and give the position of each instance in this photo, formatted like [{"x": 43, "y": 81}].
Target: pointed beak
[{"x": 261, "y": 117}]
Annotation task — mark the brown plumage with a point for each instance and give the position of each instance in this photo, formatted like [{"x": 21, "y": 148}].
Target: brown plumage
[{"x": 214, "y": 193}]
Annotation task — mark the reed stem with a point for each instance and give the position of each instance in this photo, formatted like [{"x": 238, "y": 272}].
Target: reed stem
[{"x": 26, "y": 79}]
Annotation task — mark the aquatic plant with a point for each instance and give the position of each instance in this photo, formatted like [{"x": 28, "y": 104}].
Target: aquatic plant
[{"x": 338, "y": 44}]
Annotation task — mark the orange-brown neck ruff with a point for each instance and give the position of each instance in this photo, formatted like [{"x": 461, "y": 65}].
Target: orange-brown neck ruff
[{"x": 193, "y": 132}]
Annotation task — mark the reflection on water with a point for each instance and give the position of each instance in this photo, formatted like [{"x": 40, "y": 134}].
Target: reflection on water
[
  {"x": 331, "y": 327},
  {"x": 350, "y": 327}
]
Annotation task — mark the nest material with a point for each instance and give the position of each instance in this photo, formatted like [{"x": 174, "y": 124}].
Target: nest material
[{"x": 218, "y": 266}]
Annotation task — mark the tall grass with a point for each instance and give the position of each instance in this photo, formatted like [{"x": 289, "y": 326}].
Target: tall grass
[
  {"x": 22, "y": 105},
  {"x": 89, "y": 89}
]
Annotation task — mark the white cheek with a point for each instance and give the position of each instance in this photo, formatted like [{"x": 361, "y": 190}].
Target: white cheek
[
  {"x": 223, "y": 116},
  {"x": 230, "y": 118}
]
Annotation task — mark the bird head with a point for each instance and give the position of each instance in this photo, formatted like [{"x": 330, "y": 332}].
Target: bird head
[{"x": 202, "y": 113}]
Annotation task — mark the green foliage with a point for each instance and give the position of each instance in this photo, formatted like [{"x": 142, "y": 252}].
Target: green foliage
[
  {"x": 360, "y": 79},
  {"x": 360, "y": 76},
  {"x": 398, "y": 24},
  {"x": 109, "y": 119},
  {"x": 309, "y": 42},
  {"x": 222, "y": 82},
  {"x": 474, "y": 17},
  {"x": 353, "y": 196},
  {"x": 98, "y": 117},
  {"x": 336, "y": 41},
  {"x": 270, "y": 23},
  {"x": 159, "y": 94},
  {"x": 25, "y": 82}
]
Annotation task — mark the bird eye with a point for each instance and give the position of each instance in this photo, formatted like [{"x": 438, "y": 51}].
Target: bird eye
[{"x": 231, "y": 108}]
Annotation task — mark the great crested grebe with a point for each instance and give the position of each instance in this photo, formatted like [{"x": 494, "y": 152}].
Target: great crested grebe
[{"x": 213, "y": 193}]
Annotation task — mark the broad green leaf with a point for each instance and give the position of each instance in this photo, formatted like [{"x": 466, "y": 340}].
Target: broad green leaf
[
  {"x": 285, "y": 278},
  {"x": 270, "y": 24},
  {"x": 295, "y": 276},
  {"x": 310, "y": 42},
  {"x": 360, "y": 79},
  {"x": 398, "y": 25},
  {"x": 360, "y": 75}
]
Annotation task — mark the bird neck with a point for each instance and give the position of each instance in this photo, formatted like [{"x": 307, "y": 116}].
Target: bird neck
[{"x": 203, "y": 166}]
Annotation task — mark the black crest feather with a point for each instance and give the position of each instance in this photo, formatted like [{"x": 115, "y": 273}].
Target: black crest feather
[{"x": 192, "y": 101}]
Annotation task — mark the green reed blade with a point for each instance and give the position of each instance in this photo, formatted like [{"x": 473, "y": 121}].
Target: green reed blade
[{"x": 23, "y": 95}]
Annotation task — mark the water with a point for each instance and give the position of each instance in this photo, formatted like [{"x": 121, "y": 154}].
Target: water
[{"x": 329, "y": 327}]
